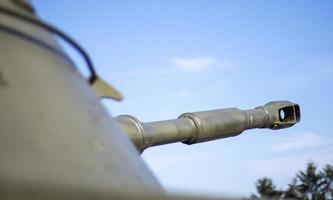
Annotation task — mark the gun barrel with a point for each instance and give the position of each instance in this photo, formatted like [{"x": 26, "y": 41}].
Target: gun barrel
[{"x": 204, "y": 126}]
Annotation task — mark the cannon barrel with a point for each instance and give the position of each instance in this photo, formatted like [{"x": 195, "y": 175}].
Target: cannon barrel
[{"x": 198, "y": 127}]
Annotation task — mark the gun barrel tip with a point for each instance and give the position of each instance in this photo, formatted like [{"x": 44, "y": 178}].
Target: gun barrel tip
[
  {"x": 282, "y": 114},
  {"x": 297, "y": 112},
  {"x": 290, "y": 113}
]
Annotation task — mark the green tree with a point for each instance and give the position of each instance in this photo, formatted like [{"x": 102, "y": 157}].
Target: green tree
[
  {"x": 310, "y": 183},
  {"x": 267, "y": 189},
  {"x": 327, "y": 182},
  {"x": 292, "y": 191}
]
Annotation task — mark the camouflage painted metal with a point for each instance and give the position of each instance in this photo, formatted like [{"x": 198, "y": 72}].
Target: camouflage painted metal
[{"x": 191, "y": 128}]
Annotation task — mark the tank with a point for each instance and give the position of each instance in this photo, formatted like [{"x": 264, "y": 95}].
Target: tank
[{"x": 57, "y": 141}]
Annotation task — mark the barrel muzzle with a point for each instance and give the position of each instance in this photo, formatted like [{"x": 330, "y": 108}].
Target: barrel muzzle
[{"x": 281, "y": 114}]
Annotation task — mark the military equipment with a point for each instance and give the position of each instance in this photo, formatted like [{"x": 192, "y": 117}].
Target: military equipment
[
  {"x": 58, "y": 142},
  {"x": 197, "y": 127}
]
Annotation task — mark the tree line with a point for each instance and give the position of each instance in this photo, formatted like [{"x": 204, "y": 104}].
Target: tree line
[{"x": 310, "y": 184}]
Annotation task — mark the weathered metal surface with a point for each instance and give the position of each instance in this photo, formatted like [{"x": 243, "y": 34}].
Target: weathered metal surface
[
  {"x": 28, "y": 191},
  {"x": 54, "y": 131},
  {"x": 204, "y": 126}
]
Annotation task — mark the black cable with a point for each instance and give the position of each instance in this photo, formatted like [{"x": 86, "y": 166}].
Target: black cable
[{"x": 93, "y": 75}]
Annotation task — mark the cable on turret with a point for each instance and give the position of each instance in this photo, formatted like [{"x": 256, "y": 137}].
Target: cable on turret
[{"x": 93, "y": 75}]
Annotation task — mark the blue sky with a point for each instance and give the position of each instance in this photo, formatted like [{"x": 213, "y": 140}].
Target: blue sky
[{"x": 169, "y": 57}]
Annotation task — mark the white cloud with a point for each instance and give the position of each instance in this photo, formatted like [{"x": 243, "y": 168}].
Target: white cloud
[
  {"x": 299, "y": 141},
  {"x": 195, "y": 64}
]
